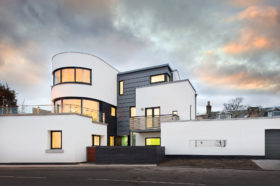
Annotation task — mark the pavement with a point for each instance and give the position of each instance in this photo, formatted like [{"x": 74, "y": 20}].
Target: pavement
[
  {"x": 268, "y": 164},
  {"x": 124, "y": 175}
]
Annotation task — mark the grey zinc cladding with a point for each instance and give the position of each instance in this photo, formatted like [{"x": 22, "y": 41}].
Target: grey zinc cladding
[{"x": 132, "y": 80}]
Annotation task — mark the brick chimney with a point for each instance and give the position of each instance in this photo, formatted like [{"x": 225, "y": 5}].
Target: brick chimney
[{"x": 208, "y": 109}]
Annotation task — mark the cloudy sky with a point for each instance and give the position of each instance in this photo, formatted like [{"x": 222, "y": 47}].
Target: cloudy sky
[{"x": 227, "y": 48}]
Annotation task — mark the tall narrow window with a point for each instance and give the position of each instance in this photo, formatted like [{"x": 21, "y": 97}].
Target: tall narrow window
[
  {"x": 56, "y": 139},
  {"x": 82, "y": 75},
  {"x": 112, "y": 141},
  {"x": 152, "y": 141},
  {"x": 68, "y": 75},
  {"x": 113, "y": 111},
  {"x": 121, "y": 87},
  {"x": 168, "y": 78},
  {"x": 95, "y": 140},
  {"x": 132, "y": 112}
]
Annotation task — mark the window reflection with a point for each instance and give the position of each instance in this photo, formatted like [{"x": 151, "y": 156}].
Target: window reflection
[
  {"x": 82, "y": 75},
  {"x": 72, "y": 106},
  {"x": 91, "y": 108},
  {"x": 72, "y": 75}
]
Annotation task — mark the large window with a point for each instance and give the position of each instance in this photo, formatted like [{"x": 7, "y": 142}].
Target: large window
[
  {"x": 56, "y": 139},
  {"x": 160, "y": 78},
  {"x": 96, "y": 140},
  {"x": 152, "y": 141},
  {"x": 72, "y": 106},
  {"x": 91, "y": 108},
  {"x": 81, "y": 106},
  {"x": 72, "y": 75},
  {"x": 121, "y": 87},
  {"x": 132, "y": 112}
]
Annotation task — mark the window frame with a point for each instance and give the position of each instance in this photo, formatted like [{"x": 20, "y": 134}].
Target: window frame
[
  {"x": 92, "y": 140},
  {"x": 121, "y": 81},
  {"x": 51, "y": 145},
  {"x": 165, "y": 78},
  {"x": 153, "y": 111},
  {"x": 75, "y": 81},
  {"x": 152, "y": 138}
]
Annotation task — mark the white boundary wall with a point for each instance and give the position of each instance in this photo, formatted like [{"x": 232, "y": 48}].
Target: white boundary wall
[
  {"x": 26, "y": 139},
  {"x": 141, "y": 137},
  {"x": 244, "y": 137},
  {"x": 178, "y": 95}
]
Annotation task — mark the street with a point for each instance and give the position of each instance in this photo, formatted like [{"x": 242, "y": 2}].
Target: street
[{"x": 133, "y": 175}]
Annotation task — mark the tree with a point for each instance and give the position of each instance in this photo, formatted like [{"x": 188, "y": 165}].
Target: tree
[
  {"x": 234, "y": 105},
  {"x": 7, "y": 96}
]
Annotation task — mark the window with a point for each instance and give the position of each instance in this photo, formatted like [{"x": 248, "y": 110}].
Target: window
[
  {"x": 68, "y": 75},
  {"x": 152, "y": 141},
  {"x": 95, "y": 140},
  {"x": 168, "y": 78},
  {"x": 112, "y": 141},
  {"x": 57, "y": 77},
  {"x": 56, "y": 139},
  {"x": 152, "y": 117},
  {"x": 132, "y": 112},
  {"x": 72, "y": 106},
  {"x": 91, "y": 108},
  {"x": 124, "y": 140},
  {"x": 158, "y": 78},
  {"x": 113, "y": 111},
  {"x": 72, "y": 75},
  {"x": 175, "y": 112},
  {"x": 121, "y": 87},
  {"x": 82, "y": 75}
]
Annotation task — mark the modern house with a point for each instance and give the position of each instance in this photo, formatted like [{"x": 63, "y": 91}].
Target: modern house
[
  {"x": 94, "y": 104},
  {"x": 132, "y": 103}
]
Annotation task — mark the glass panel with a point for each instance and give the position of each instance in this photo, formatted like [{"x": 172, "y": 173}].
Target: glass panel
[
  {"x": 72, "y": 106},
  {"x": 168, "y": 78},
  {"x": 96, "y": 140},
  {"x": 68, "y": 75},
  {"x": 149, "y": 112},
  {"x": 156, "y": 112},
  {"x": 152, "y": 141},
  {"x": 124, "y": 141},
  {"x": 57, "y": 77},
  {"x": 112, "y": 141},
  {"x": 157, "y": 78},
  {"x": 149, "y": 118},
  {"x": 82, "y": 75},
  {"x": 132, "y": 112},
  {"x": 56, "y": 140},
  {"x": 121, "y": 87},
  {"x": 113, "y": 111},
  {"x": 91, "y": 108},
  {"x": 58, "y": 106}
]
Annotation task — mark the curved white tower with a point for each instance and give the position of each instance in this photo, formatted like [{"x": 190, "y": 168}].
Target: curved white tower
[{"x": 85, "y": 84}]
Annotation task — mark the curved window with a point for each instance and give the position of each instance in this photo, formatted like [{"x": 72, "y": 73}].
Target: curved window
[
  {"x": 72, "y": 75},
  {"x": 80, "y": 106}
]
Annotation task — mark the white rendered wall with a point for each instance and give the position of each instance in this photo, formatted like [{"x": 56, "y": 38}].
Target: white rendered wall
[
  {"x": 169, "y": 97},
  {"x": 141, "y": 137},
  {"x": 25, "y": 139},
  {"x": 104, "y": 78},
  {"x": 243, "y": 136}
]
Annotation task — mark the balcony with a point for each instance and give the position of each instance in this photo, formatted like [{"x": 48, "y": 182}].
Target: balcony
[
  {"x": 96, "y": 115},
  {"x": 149, "y": 124}
]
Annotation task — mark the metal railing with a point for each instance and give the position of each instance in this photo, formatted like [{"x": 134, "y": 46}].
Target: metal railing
[
  {"x": 142, "y": 123},
  {"x": 51, "y": 109}
]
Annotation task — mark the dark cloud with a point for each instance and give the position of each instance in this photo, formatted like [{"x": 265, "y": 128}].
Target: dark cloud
[{"x": 131, "y": 34}]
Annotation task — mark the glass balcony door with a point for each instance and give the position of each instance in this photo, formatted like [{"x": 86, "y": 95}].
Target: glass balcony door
[{"x": 152, "y": 117}]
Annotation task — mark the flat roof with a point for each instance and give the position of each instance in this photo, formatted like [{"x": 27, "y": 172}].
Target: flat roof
[{"x": 146, "y": 68}]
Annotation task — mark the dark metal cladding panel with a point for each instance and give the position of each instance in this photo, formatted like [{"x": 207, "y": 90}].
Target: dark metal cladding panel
[
  {"x": 128, "y": 99},
  {"x": 272, "y": 144}
]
